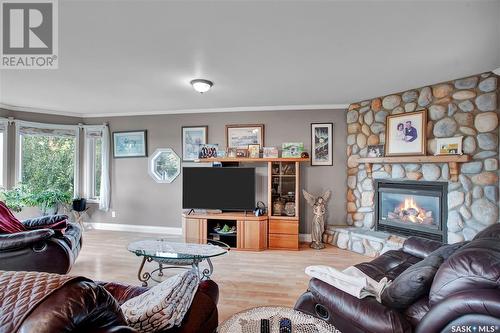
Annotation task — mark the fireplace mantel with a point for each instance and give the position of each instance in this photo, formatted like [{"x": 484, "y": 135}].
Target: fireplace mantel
[{"x": 452, "y": 161}]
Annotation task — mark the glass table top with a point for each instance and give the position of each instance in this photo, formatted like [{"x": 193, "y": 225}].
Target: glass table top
[{"x": 177, "y": 248}]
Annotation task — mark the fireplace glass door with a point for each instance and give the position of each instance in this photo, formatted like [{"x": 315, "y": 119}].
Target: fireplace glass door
[{"x": 411, "y": 210}]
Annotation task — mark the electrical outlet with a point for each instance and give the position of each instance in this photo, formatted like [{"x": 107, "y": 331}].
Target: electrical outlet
[{"x": 113, "y": 213}]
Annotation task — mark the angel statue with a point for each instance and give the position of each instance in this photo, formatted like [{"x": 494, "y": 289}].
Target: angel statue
[{"x": 318, "y": 223}]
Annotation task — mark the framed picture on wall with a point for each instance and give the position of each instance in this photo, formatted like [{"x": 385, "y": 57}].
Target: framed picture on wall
[
  {"x": 241, "y": 136},
  {"x": 192, "y": 138},
  {"x": 128, "y": 144},
  {"x": 405, "y": 134},
  {"x": 322, "y": 144}
]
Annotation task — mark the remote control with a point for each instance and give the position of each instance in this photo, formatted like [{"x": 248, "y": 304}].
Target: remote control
[
  {"x": 285, "y": 325},
  {"x": 264, "y": 326}
]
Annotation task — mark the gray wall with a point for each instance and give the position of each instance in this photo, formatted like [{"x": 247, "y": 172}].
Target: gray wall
[{"x": 137, "y": 199}]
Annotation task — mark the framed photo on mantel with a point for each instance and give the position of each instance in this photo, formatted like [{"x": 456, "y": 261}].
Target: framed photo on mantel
[
  {"x": 405, "y": 134},
  {"x": 241, "y": 136}
]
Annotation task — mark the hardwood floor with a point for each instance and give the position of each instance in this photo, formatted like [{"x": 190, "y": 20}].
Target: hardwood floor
[{"x": 246, "y": 279}]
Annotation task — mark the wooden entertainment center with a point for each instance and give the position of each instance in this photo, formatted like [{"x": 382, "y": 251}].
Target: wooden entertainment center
[{"x": 279, "y": 229}]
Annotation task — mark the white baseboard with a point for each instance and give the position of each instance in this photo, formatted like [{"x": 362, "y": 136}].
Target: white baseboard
[
  {"x": 134, "y": 228},
  {"x": 305, "y": 238}
]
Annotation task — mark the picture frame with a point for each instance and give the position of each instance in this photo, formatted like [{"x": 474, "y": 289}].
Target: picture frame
[
  {"x": 254, "y": 151},
  {"x": 375, "y": 151},
  {"x": 240, "y": 136},
  {"x": 292, "y": 149},
  {"x": 208, "y": 151},
  {"x": 270, "y": 152},
  {"x": 449, "y": 146},
  {"x": 191, "y": 139},
  {"x": 405, "y": 134},
  {"x": 242, "y": 152},
  {"x": 321, "y": 144},
  {"x": 130, "y": 144},
  {"x": 231, "y": 152}
]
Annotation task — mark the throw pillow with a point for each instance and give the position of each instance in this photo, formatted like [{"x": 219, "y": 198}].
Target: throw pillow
[
  {"x": 412, "y": 284},
  {"x": 164, "y": 305}
]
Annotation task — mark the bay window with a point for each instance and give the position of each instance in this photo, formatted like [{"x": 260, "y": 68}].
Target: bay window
[{"x": 47, "y": 157}]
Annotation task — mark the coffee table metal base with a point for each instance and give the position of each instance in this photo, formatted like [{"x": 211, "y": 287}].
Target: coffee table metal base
[{"x": 164, "y": 264}]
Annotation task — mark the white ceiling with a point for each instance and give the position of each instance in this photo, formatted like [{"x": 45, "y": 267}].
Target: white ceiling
[{"x": 134, "y": 57}]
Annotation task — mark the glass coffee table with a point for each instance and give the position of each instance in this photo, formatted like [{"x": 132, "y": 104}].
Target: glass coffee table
[{"x": 175, "y": 252}]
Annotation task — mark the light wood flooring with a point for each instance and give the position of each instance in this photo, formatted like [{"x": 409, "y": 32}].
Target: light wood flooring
[{"x": 246, "y": 279}]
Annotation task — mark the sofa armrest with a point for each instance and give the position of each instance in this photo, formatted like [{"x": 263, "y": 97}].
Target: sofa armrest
[
  {"x": 420, "y": 247},
  {"x": 478, "y": 303},
  {"x": 44, "y": 221},
  {"x": 350, "y": 314},
  {"x": 24, "y": 239}
]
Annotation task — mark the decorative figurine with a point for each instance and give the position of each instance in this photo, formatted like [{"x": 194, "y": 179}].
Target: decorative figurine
[{"x": 318, "y": 223}]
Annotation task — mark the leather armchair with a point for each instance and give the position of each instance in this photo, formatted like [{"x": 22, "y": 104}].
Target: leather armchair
[
  {"x": 464, "y": 291},
  {"x": 41, "y": 249},
  {"x": 81, "y": 305}
]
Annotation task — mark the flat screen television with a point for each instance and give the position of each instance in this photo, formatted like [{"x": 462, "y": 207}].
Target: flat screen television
[{"x": 229, "y": 189}]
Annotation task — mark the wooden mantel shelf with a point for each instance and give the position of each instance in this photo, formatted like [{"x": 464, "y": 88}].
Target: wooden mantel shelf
[
  {"x": 452, "y": 161},
  {"x": 250, "y": 160}
]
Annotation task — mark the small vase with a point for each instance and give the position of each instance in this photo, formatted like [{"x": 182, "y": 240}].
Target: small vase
[
  {"x": 278, "y": 207},
  {"x": 290, "y": 208}
]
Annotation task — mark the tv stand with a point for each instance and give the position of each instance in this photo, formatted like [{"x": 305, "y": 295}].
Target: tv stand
[{"x": 251, "y": 230}]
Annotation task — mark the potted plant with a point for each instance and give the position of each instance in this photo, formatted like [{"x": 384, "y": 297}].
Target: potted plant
[
  {"x": 79, "y": 204},
  {"x": 15, "y": 199},
  {"x": 48, "y": 200}
]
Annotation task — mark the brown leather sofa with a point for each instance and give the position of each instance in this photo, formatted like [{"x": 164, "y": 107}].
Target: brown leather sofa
[
  {"x": 35, "y": 302},
  {"x": 41, "y": 249},
  {"x": 464, "y": 292}
]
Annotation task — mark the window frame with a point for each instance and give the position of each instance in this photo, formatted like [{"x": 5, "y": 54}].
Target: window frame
[
  {"x": 90, "y": 170},
  {"x": 5, "y": 147},
  {"x": 76, "y": 157}
]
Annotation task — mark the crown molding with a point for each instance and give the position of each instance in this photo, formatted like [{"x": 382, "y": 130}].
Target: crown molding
[{"x": 181, "y": 111}]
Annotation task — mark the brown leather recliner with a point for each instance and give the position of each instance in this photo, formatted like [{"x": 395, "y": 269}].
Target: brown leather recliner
[
  {"x": 41, "y": 249},
  {"x": 465, "y": 291},
  {"x": 34, "y": 302}
]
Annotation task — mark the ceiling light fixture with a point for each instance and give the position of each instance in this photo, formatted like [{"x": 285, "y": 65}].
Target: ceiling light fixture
[{"x": 201, "y": 85}]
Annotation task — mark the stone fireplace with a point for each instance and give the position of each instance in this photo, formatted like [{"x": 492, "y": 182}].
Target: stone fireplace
[
  {"x": 410, "y": 208},
  {"x": 465, "y": 107}
]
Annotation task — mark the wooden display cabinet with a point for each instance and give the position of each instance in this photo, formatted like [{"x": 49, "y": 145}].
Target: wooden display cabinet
[{"x": 283, "y": 204}]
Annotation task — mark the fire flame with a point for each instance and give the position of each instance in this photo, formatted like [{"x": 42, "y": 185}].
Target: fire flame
[{"x": 410, "y": 203}]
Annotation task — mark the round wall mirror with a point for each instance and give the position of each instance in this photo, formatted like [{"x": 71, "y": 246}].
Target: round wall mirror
[{"x": 164, "y": 165}]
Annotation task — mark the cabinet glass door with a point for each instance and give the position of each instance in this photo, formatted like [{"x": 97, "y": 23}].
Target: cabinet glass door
[{"x": 283, "y": 181}]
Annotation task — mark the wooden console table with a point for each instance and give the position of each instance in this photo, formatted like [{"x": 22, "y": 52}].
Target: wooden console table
[{"x": 251, "y": 230}]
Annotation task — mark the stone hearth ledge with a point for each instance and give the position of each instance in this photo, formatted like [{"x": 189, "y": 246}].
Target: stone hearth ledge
[{"x": 367, "y": 242}]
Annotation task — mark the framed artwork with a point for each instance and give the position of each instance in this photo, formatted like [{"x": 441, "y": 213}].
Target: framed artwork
[
  {"x": 208, "y": 150},
  {"x": 254, "y": 151},
  {"x": 130, "y": 144},
  {"x": 292, "y": 149},
  {"x": 322, "y": 144},
  {"x": 270, "y": 152},
  {"x": 449, "y": 146},
  {"x": 241, "y": 152},
  {"x": 375, "y": 151},
  {"x": 231, "y": 152},
  {"x": 241, "y": 136},
  {"x": 405, "y": 134},
  {"x": 192, "y": 138}
]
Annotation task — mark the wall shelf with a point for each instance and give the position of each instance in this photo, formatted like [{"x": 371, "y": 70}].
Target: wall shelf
[
  {"x": 452, "y": 161},
  {"x": 250, "y": 160}
]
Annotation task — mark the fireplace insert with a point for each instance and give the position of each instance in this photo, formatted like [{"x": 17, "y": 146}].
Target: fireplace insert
[{"x": 412, "y": 208}]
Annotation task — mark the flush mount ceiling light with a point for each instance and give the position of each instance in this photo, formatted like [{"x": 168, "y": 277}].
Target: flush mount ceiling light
[{"x": 201, "y": 85}]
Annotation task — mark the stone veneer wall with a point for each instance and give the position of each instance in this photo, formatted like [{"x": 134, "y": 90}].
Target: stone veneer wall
[{"x": 467, "y": 107}]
